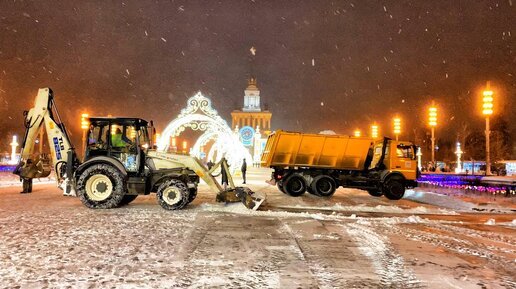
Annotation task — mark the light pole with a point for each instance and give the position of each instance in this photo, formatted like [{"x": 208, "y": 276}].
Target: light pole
[
  {"x": 13, "y": 145},
  {"x": 185, "y": 145},
  {"x": 357, "y": 133},
  {"x": 374, "y": 131},
  {"x": 419, "y": 154},
  {"x": 432, "y": 121},
  {"x": 84, "y": 126},
  {"x": 459, "y": 153},
  {"x": 397, "y": 127},
  {"x": 487, "y": 110}
]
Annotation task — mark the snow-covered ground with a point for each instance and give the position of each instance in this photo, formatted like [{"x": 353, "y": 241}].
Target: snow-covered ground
[{"x": 351, "y": 240}]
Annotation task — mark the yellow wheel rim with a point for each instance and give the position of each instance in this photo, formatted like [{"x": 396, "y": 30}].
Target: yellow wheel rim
[{"x": 99, "y": 187}]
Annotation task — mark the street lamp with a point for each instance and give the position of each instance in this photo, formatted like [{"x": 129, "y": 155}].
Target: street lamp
[
  {"x": 432, "y": 121},
  {"x": 357, "y": 133},
  {"x": 13, "y": 145},
  {"x": 397, "y": 127},
  {"x": 185, "y": 145},
  {"x": 374, "y": 131},
  {"x": 85, "y": 124},
  {"x": 419, "y": 154},
  {"x": 174, "y": 145},
  {"x": 487, "y": 110},
  {"x": 459, "y": 153}
]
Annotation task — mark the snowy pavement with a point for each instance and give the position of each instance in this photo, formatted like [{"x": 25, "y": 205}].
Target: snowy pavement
[{"x": 351, "y": 240}]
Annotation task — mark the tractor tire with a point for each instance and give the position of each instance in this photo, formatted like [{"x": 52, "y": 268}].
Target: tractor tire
[
  {"x": 193, "y": 195},
  {"x": 101, "y": 186},
  {"x": 295, "y": 185},
  {"x": 375, "y": 193},
  {"x": 173, "y": 195},
  {"x": 323, "y": 185},
  {"x": 279, "y": 184},
  {"x": 127, "y": 199},
  {"x": 394, "y": 188}
]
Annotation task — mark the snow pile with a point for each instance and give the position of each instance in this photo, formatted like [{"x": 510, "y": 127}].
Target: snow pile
[
  {"x": 374, "y": 209},
  {"x": 490, "y": 222}
]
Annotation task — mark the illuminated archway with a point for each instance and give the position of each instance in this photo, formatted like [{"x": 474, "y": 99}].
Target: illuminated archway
[{"x": 199, "y": 115}]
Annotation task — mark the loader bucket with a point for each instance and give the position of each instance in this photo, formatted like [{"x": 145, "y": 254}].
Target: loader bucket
[{"x": 249, "y": 198}]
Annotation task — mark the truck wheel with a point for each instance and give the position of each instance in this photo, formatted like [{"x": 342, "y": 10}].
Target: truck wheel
[
  {"x": 101, "y": 186},
  {"x": 127, "y": 199},
  {"x": 280, "y": 186},
  {"x": 323, "y": 186},
  {"x": 172, "y": 195},
  {"x": 309, "y": 190},
  {"x": 375, "y": 193},
  {"x": 394, "y": 189},
  {"x": 295, "y": 185},
  {"x": 193, "y": 195}
]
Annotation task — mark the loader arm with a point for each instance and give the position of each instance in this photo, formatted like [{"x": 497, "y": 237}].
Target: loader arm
[
  {"x": 44, "y": 114},
  {"x": 230, "y": 193}
]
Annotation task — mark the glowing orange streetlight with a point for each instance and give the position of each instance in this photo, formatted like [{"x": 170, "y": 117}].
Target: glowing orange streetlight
[
  {"x": 85, "y": 124},
  {"x": 432, "y": 122},
  {"x": 185, "y": 145},
  {"x": 357, "y": 133},
  {"x": 374, "y": 131},
  {"x": 397, "y": 127},
  {"x": 487, "y": 110}
]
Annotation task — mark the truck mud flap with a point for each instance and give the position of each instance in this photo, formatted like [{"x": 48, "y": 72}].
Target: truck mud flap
[{"x": 250, "y": 199}]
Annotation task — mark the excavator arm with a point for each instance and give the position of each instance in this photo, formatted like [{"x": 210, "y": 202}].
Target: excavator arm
[{"x": 44, "y": 115}]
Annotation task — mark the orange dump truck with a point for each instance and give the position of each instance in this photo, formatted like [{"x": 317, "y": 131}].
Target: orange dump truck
[{"x": 320, "y": 163}]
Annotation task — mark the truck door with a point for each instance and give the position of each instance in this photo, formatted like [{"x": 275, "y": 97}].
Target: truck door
[{"x": 403, "y": 159}]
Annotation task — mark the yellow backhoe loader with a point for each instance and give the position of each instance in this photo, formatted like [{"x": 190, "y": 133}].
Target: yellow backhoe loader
[{"x": 119, "y": 163}]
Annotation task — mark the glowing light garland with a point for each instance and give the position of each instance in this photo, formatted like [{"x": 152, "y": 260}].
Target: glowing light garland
[
  {"x": 463, "y": 182},
  {"x": 200, "y": 116}
]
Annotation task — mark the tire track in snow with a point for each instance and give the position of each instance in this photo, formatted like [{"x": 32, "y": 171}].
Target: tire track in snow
[
  {"x": 323, "y": 275},
  {"x": 389, "y": 265}
]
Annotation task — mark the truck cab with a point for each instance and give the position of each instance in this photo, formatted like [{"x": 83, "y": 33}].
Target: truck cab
[{"x": 123, "y": 139}]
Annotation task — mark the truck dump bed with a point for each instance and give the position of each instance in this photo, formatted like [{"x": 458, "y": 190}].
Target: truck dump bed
[{"x": 293, "y": 149}]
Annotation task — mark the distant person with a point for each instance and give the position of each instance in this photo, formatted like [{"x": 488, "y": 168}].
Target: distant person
[
  {"x": 224, "y": 173},
  {"x": 244, "y": 170}
]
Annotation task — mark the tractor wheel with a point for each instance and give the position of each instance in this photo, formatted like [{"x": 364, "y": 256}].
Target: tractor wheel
[
  {"x": 394, "y": 188},
  {"x": 323, "y": 186},
  {"x": 101, "y": 186},
  {"x": 173, "y": 195},
  {"x": 127, "y": 199},
  {"x": 295, "y": 185},
  {"x": 193, "y": 194},
  {"x": 375, "y": 193},
  {"x": 280, "y": 186}
]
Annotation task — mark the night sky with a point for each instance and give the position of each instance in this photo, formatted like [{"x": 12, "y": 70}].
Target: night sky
[{"x": 320, "y": 65}]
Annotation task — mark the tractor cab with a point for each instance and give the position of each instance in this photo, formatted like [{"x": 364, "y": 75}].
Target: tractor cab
[{"x": 124, "y": 139}]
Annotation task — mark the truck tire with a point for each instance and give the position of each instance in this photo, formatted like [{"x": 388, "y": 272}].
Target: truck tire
[
  {"x": 294, "y": 185},
  {"x": 127, "y": 199},
  {"x": 172, "y": 195},
  {"x": 101, "y": 186},
  {"x": 323, "y": 185},
  {"x": 193, "y": 195},
  {"x": 309, "y": 190},
  {"x": 280, "y": 187},
  {"x": 394, "y": 188},
  {"x": 375, "y": 193}
]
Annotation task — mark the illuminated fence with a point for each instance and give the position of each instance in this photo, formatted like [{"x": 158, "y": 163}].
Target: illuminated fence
[
  {"x": 469, "y": 183},
  {"x": 6, "y": 168}
]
